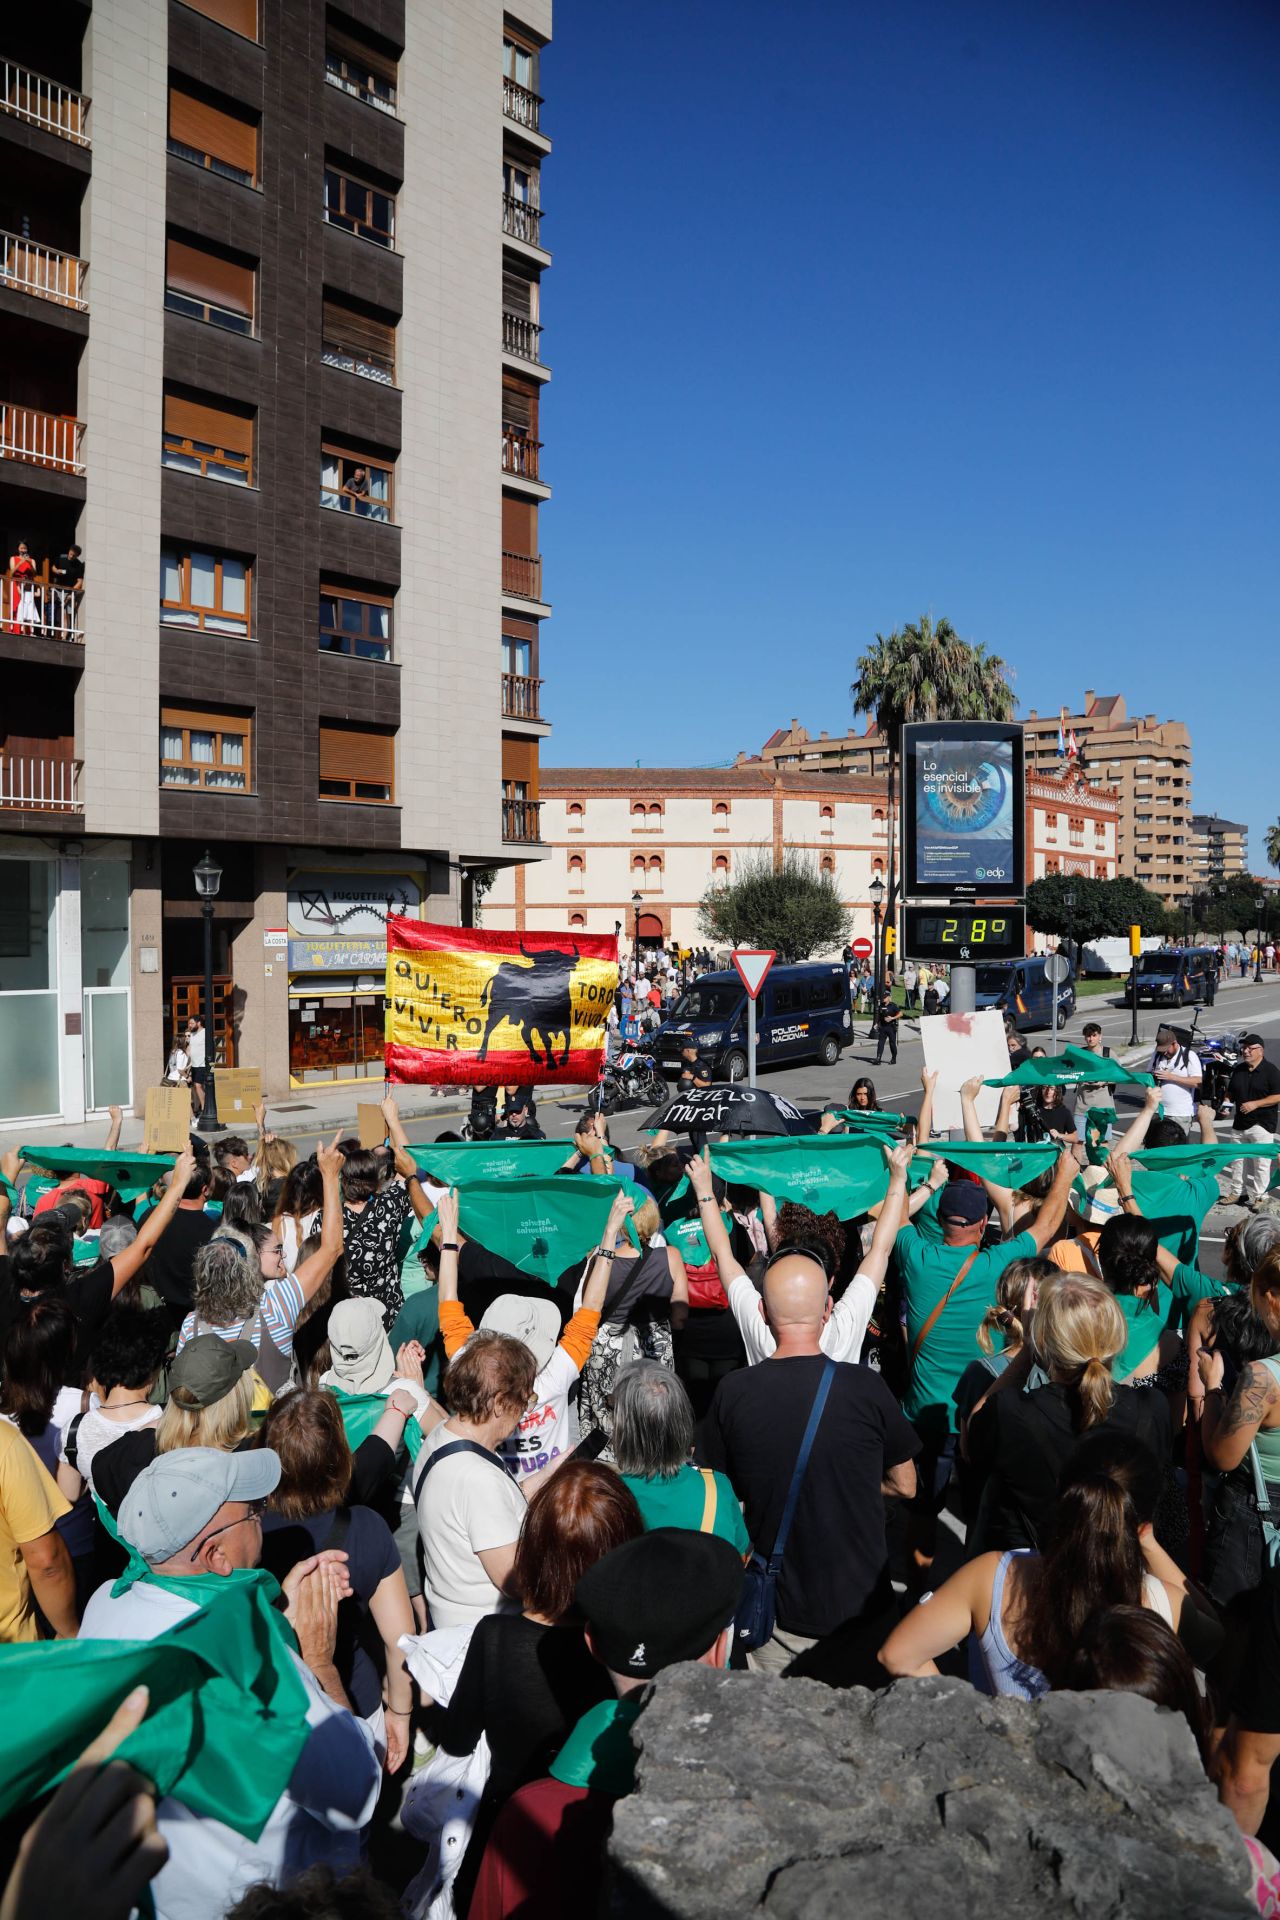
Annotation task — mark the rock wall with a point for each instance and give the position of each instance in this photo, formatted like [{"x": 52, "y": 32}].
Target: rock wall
[{"x": 784, "y": 1797}]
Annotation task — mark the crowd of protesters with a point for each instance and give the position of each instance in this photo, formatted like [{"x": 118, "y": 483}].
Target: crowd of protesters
[{"x": 484, "y": 1511}]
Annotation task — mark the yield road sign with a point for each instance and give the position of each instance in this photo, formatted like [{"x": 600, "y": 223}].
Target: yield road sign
[{"x": 753, "y": 965}]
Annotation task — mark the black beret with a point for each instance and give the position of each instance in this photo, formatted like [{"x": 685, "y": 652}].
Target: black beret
[{"x": 659, "y": 1599}]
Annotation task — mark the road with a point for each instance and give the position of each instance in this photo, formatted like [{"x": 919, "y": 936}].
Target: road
[{"x": 1239, "y": 1005}]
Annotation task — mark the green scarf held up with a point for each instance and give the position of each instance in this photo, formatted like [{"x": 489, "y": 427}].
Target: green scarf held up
[
  {"x": 828, "y": 1172},
  {"x": 361, "y": 1413},
  {"x": 1006, "y": 1163},
  {"x": 873, "y": 1120},
  {"x": 227, "y": 1718},
  {"x": 131, "y": 1174},
  {"x": 458, "y": 1163},
  {"x": 542, "y": 1225},
  {"x": 1198, "y": 1156},
  {"x": 1073, "y": 1067}
]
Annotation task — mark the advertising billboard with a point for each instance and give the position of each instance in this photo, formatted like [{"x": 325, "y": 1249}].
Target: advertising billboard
[{"x": 964, "y": 810}]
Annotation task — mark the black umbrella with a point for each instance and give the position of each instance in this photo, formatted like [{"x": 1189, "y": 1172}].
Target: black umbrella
[{"x": 727, "y": 1109}]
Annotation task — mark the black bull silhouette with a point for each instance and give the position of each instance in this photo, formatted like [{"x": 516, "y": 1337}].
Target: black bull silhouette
[{"x": 535, "y": 998}]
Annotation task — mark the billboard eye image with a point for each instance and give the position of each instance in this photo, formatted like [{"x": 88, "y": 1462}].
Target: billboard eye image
[{"x": 966, "y": 799}]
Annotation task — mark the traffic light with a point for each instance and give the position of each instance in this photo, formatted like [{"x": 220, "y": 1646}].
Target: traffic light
[
  {"x": 891, "y": 940},
  {"x": 1135, "y": 942}
]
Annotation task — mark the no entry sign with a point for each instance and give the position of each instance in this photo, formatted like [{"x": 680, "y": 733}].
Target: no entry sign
[{"x": 861, "y": 948}]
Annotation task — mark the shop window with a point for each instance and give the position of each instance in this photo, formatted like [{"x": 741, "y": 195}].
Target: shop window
[
  {"x": 213, "y": 439},
  {"x": 207, "y": 284},
  {"x": 212, "y": 750},
  {"x": 359, "y": 483},
  {"x": 356, "y": 763},
  {"x": 355, "y": 622},
  {"x": 365, "y": 72},
  {"x": 212, "y": 591},
  {"x": 358, "y": 342},
  {"x": 218, "y": 136},
  {"x": 241, "y": 16},
  {"x": 359, "y": 207}
]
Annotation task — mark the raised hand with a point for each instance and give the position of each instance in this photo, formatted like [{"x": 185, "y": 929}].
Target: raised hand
[{"x": 447, "y": 1214}]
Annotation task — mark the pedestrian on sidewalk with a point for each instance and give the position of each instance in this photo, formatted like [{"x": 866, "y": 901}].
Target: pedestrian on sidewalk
[{"x": 1254, "y": 1090}]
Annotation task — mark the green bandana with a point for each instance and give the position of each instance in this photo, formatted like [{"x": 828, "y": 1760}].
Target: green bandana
[
  {"x": 361, "y": 1413},
  {"x": 1097, "y": 1129},
  {"x": 543, "y": 1225},
  {"x": 129, "y": 1173},
  {"x": 227, "y": 1717},
  {"x": 1007, "y": 1163},
  {"x": 457, "y": 1163},
  {"x": 1072, "y": 1067},
  {"x": 1196, "y": 1157},
  {"x": 599, "y": 1753},
  {"x": 828, "y": 1172},
  {"x": 874, "y": 1120}
]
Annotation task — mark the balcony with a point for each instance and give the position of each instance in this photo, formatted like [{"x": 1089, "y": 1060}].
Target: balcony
[
  {"x": 520, "y": 336},
  {"x": 28, "y": 267},
  {"x": 41, "y": 439},
  {"x": 520, "y": 453},
  {"x": 521, "y": 697},
  {"x": 40, "y": 783},
  {"x": 522, "y": 575},
  {"x": 520, "y": 105},
  {"x": 45, "y": 103},
  {"x": 520, "y": 821},
  {"x": 520, "y": 221},
  {"x": 36, "y": 607}
]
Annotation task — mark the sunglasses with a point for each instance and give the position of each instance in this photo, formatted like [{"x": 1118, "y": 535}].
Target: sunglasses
[
  {"x": 805, "y": 1253},
  {"x": 256, "y": 1510}
]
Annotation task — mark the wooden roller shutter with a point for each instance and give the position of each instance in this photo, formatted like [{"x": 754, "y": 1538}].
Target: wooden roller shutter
[
  {"x": 519, "y": 407},
  {"x": 517, "y": 292},
  {"x": 195, "y": 122},
  {"x": 520, "y": 762},
  {"x": 359, "y": 332},
  {"x": 190, "y": 419},
  {"x": 356, "y": 753},
  {"x": 240, "y": 15},
  {"x": 519, "y": 525},
  {"x": 209, "y": 276}
]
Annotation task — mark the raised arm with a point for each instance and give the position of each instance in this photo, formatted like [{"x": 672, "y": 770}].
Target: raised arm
[
  {"x": 969, "y": 1107},
  {"x": 875, "y": 1261},
  {"x": 116, "y": 1115},
  {"x": 1004, "y": 1113},
  {"x": 1001, "y": 1197},
  {"x": 1206, "y": 1117},
  {"x": 598, "y": 1275},
  {"x": 1053, "y": 1208},
  {"x": 405, "y": 1164},
  {"x": 447, "y": 1220},
  {"x": 129, "y": 1260},
  {"x": 711, "y": 1220},
  {"x": 312, "y": 1272},
  {"x": 924, "y": 1125},
  {"x": 1136, "y": 1132}
]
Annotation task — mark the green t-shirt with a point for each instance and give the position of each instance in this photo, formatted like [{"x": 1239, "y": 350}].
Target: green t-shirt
[
  {"x": 419, "y": 1319},
  {"x": 927, "y": 1268},
  {"x": 689, "y": 1241},
  {"x": 1186, "y": 1198},
  {"x": 1146, "y": 1320},
  {"x": 678, "y": 1500}
]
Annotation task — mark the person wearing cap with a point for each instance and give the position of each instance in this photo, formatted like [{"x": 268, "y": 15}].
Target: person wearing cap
[
  {"x": 947, "y": 1287},
  {"x": 543, "y": 1433},
  {"x": 1178, "y": 1075},
  {"x": 211, "y": 1393},
  {"x": 520, "y": 1116},
  {"x": 669, "y": 1596},
  {"x": 1254, "y": 1091},
  {"x": 191, "y": 1520},
  {"x": 688, "y": 1063}
]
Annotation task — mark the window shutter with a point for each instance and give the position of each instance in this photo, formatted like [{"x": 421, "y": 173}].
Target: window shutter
[
  {"x": 196, "y": 122},
  {"x": 356, "y": 753},
  {"x": 358, "y": 332},
  {"x": 519, "y": 525},
  {"x": 188, "y": 419},
  {"x": 517, "y": 293},
  {"x": 240, "y": 15},
  {"x": 209, "y": 276},
  {"x": 519, "y": 407}
]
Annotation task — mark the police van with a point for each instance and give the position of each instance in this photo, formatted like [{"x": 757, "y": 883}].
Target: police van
[
  {"x": 1022, "y": 990},
  {"x": 1176, "y": 977},
  {"x": 802, "y": 1013}
]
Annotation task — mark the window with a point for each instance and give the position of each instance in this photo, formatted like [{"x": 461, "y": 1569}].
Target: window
[
  {"x": 212, "y": 591},
  {"x": 214, "y": 440},
  {"x": 222, "y": 138},
  {"x": 520, "y": 183},
  {"x": 517, "y": 655},
  {"x": 355, "y": 621},
  {"x": 825, "y": 993},
  {"x": 646, "y": 816},
  {"x": 359, "y": 70},
  {"x": 827, "y": 864},
  {"x": 358, "y": 342},
  {"x": 520, "y": 63},
  {"x": 209, "y": 750},
  {"x": 356, "y": 483},
  {"x": 720, "y": 867},
  {"x": 574, "y": 813},
  {"x": 241, "y": 16},
  {"x": 577, "y": 873},
  {"x": 359, "y": 207},
  {"x": 356, "y": 763},
  {"x": 577, "y": 920},
  {"x": 209, "y": 285}
]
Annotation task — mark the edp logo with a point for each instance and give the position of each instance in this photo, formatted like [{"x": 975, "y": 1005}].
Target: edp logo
[{"x": 990, "y": 873}]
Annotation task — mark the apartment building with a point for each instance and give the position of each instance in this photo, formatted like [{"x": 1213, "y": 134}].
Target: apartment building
[
  {"x": 271, "y": 361},
  {"x": 1218, "y": 847},
  {"x": 636, "y": 849},
  {"x": 795, "y": 748}
]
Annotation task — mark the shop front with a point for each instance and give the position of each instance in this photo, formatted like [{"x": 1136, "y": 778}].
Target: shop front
[{"x": 337, "y": 947}]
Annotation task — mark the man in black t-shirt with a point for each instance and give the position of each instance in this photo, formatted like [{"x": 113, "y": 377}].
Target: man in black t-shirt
[
  {"x": 833, "y": 1587},
  {"x": 172, "y": 1261},
  {"x": 1254, "y": 1090}
]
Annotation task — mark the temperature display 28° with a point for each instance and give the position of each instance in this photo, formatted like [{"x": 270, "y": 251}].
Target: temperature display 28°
[{"x": 965, "y": 934}]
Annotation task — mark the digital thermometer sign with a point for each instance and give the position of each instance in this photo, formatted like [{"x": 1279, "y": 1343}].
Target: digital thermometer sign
[{"x": 966, "y": 935}]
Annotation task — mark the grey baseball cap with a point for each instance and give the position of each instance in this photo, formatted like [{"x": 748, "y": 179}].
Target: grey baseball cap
[{"x": 176, "y": 1497}]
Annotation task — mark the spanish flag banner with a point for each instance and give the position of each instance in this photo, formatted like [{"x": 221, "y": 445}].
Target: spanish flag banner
[{"x": 469, "y": 1007}]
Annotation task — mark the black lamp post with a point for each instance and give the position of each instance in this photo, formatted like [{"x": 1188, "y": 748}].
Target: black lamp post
[
  {"x": 637, "y": 901},
  {"x": 1262, "y": 934},
  {"x": 876, "y": 894},
  {"x": 208, "y": 878},
  {"x": 1069, "y": 904}
]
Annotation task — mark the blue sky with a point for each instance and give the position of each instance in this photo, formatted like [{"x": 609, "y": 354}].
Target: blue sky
[{"x": 862, "y": 312}]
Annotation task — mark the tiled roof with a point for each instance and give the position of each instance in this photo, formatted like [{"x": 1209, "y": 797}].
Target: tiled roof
[{"x": 745, "y": 780}]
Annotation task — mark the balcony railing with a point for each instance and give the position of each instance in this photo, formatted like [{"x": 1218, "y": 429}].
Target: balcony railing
[
  {"x": 520, "y": 335},
  {"x": 522, "y": 575},
  {"x": 41, "y": 439},
  {"x": 45, "y": 103},
  {"x": 521, "y": 221},
  {"x": 521, "y": 697},
  {"x": 36, "y": 607},
  {"x": 520, "y": 453},
  {"x": 520, "y": 105},
  {"x": 520, "y": 820},
  {"x": 40, "y": 783},
  {"x": 29, "y": 267}
]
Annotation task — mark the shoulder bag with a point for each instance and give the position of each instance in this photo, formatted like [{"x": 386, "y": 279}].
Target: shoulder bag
[
  {"x": 936, "y": 1315},
  {"x": 757, "y": 1610}
]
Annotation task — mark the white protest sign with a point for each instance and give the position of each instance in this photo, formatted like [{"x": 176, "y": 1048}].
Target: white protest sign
[{"x": 957, "y": 1046}]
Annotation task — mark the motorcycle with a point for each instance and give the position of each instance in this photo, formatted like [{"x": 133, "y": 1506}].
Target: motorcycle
[
  {"x": 1219, "y": 1055},
  {"x": 631, "y": 1080}
]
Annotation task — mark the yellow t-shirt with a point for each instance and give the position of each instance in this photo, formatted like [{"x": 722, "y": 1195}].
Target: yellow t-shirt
[{"x": 29, "y": 1505}]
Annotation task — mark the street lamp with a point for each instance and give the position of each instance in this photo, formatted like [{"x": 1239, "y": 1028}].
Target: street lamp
[
  {"x": 637, "y": 901},
  {"x": 1262, "y": 909},
  {"x": 1069, "y": 903},
  {"x": 1188, "y": 904},
  {"x": 208, "y": 878},
  {"x": 876, "y": 893}
]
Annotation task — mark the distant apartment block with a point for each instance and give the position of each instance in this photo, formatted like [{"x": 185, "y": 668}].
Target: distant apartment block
[{"x": 1218, "y": 847}]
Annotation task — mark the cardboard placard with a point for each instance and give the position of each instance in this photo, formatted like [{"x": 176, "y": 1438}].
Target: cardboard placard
[
  {"x": 166, "y": 1120},
  {"x": 370, "y": 1125},
  {"x": 957, "y": 1046},
  {"x": 239, "y": 1090}
]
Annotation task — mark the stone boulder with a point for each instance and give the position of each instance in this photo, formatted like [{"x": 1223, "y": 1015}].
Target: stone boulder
[{"x": 786, "y": 1798}]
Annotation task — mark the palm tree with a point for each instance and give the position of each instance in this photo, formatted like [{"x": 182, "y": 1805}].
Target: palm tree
[
  {"x": 925, "y": 671},
  {"x": 1273, "y": 845}
]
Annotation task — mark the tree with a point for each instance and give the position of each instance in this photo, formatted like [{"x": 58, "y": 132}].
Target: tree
[
  {"x": 1273, "y": 845},
  {"x": 793, "y": 909},
  {"x": 925, "y": 672},
  {"x": 1230, "y": 905},
  {"x": 1101, "y": 909}
]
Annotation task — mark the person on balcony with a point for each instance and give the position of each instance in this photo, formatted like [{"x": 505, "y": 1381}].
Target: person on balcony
[
  {"x": 24, "y": 602},
  {"x": 357, "y": 490},
  {"x": 68, "y": 574}
]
